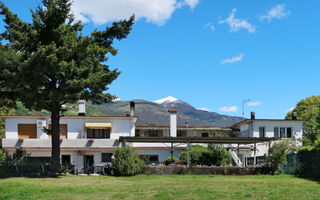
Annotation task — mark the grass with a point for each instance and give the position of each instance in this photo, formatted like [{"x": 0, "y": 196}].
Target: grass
[{"x": 161, "y": 187}]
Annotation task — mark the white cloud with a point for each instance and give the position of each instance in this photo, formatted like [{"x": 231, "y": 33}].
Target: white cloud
[
  {"x": 210, "y": 26},
  {"x": 229, "y": 109},
  {"x": 204, "y": 109},
  {"x": 237, "y": 24},
  {"x": 233, "y": 59},
  {"x": 277, "y": 12},
  {"x": 254, "y": 103},
  {"x": 154, "y": 11},
  {"x": 290, "y": 109}
]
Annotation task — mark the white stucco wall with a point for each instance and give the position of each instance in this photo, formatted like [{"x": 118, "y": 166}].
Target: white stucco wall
[{"x": 76, "y": 126}]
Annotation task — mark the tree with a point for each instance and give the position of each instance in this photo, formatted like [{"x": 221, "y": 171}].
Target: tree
[
  {"x": 277, "y": 155},
  {"x": 126, "y": 162},
  {"x": 49, "y": 62},
  {"x": 308, "y": 109},
  {"x": 5, "y": 109}
]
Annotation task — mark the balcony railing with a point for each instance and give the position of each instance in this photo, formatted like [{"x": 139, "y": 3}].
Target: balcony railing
[{"x": 64, "y": 143}]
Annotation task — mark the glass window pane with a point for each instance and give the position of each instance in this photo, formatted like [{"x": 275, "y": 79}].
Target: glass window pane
[
  {"x": 261, "y": 132},
  {"x": 276, "y": 132},
  {"x": 289, "y": 132},
  {"x": 282, "y": 132}
]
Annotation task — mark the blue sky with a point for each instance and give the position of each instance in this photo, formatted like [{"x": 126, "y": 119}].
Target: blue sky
[{"x": 212, "y": 54}]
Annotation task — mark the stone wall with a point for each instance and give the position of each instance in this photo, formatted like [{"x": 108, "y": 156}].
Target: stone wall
[{"x": 201, "y": 170}]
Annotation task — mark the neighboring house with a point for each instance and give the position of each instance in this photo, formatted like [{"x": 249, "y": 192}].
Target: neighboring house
[
  {"x": 266, "y": 128},
  {"x": 91, "y": 140}
]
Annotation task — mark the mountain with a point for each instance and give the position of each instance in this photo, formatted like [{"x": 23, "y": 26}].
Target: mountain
[{"x": 155, "y": 112}]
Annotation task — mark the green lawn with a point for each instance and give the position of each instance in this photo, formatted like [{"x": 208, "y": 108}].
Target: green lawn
[{"x": 161, "y": 187}]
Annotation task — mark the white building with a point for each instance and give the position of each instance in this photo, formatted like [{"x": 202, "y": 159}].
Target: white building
[{"x": 91, "y": 140}]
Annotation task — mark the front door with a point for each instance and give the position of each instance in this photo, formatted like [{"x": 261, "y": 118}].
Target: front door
[{"x": 88, "y": 163}]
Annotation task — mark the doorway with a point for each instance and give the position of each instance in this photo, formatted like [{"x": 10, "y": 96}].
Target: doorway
[
  {"x": 66, "y": 159},
  {"x": 88, "y": 162}
]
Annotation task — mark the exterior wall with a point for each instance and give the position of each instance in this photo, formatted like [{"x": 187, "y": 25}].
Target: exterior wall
[
  {"x": 163, "y": 154},
  {"x": 76, "y": 127},
  {"x": 269, "y": 127}
]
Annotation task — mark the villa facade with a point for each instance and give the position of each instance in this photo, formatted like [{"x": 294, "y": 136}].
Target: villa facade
[{"x": 91, "y": 140}]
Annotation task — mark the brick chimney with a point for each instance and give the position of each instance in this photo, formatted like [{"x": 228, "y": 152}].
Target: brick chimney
[{"x": 253, "y": 115}]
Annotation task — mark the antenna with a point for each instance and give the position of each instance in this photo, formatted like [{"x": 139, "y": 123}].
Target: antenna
[{"x": 243, "y": 102}]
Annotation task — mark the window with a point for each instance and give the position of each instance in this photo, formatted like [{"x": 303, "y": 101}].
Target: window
[
  {"x": 65, "y": 159},
  {"x": 276, "y": 132},
  {"x": 205, "y": 134},
  {"x": 289, "y": 132},
  {"x": 106, "y": 157},
  {"x": 27, "y": 131},
  {"x": 153, "y": 133},
  {"x": 282, "y": 132},
  {"x": 63, "y": 131},
  {"x": 261, "y": 132},
  {"x": 98, "y": 133},
  {"x": 182, "y": 133}
]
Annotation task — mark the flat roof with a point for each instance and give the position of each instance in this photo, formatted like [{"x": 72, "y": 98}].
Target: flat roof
[
  {"x": 71, "y": 116},
  {"x": 213, "y": 140},
  {"x": 213, "y": 128},
  {"x": 251, "y": 120}
]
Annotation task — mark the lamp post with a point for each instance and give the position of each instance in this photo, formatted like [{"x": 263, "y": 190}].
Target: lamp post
[{"x": 243, "y": 102}]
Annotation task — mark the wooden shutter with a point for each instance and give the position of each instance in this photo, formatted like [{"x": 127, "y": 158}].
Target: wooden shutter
[
  {"x": 63, "y": 131},
  {"x": 27, "y": 131}
]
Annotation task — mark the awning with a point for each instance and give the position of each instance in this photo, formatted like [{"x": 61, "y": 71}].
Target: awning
[{"x": 98, "y": 125}]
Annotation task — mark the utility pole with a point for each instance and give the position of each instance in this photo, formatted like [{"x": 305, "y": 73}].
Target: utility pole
[{"x": 243, "y": 102}]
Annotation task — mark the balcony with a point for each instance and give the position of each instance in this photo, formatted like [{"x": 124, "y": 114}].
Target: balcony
[{"x": 64, "y": 143}]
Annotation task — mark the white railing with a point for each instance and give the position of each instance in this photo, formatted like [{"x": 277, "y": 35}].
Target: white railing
[
  {"x": 236, "y": 158},
  {"x": 65, "y": 143}
]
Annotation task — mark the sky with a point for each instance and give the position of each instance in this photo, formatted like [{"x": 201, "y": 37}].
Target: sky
[{"x": 212, "y": 54}]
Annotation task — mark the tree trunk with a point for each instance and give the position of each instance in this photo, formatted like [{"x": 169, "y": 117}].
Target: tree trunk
[{"x": 55, "y": 151}]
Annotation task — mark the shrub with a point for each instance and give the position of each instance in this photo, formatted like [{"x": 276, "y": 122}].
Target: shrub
[
  {"x": 3, "y": 157},
  {"x": 277, "y": 155},
  {"x": 169, "y": 161},
  {"x": 220, "y": 156},
  {"x": 126, "y": 162},
  {"x": 198, "y": 155},
  {"x": 212, "y": 155}
]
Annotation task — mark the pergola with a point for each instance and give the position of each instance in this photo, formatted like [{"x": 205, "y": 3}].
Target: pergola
[{"x": 190, "y": 140}]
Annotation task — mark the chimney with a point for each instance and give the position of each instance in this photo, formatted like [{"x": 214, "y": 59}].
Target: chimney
[
  {"x": 294, "y": 115},
  {"x": 187, "y": 125},
  {"x": 253, "y": 115},
  {"x": 132, "y": 108},
  {"x": 82, "y": 108},
  {"x": 173, "y": 122}
]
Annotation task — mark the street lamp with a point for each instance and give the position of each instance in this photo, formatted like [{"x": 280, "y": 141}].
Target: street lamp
[{"x": 243, "y": 102}]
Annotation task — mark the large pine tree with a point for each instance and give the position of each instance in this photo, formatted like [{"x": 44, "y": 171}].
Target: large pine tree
[{"x": 49, "y": 62}]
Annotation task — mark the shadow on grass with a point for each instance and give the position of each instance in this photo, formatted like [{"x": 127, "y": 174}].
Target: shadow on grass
[{"x": 314, "y": 178}]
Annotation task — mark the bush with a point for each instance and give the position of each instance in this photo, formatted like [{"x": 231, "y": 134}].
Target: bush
[
  {"x": 278, "y": 155},
  {"x": 213, "y": 155},
  {"x": 126, "y": 162},
  {"x": 169, "y": 161},
  {"x": 198, "y": 155},
  {"x": 220, "y": 156}
]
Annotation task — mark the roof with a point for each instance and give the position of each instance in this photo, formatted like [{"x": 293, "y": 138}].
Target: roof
[
  {"x": 72, "y": 117},
  {"x": 246, "y": 121},
  {"x": 199, "y": 128},
  {"x": 214, "y": 140}
]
